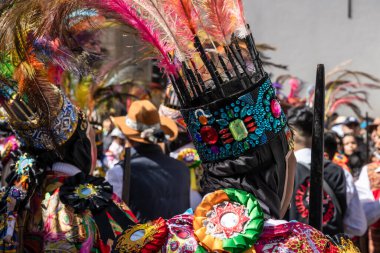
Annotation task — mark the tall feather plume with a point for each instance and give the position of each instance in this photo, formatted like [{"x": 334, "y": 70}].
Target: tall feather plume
[
  {"x": 183, "y": 13},
  {"x": 154, "y": 11},
  {"x": 344, "y": 102},
  {"x": 220, "y": 21},
  {"x": 33, "y": 82},
  {"x": 38, "y": 23},
  {"x": 241, "y": 27},
  {"x": 128, "y": 15}
]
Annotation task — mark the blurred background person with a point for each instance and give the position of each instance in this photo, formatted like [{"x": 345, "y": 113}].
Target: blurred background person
[
  {"x": 182, "y": 148},
  {"x": 107, "y": 129},
  {"x": 340, "y": 199},
  {"x": 159, "y": 185},
  {"x": 354, "y": 155}
]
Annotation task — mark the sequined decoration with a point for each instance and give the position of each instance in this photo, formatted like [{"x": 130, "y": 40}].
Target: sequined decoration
[
  {"x": 231, "y": 129},
  {"x": 226, "y": 220}
]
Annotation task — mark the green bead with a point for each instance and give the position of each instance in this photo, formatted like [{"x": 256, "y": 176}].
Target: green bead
[
  {"x": 231, "y": 113},
  {"x": 238, "y": 130}
]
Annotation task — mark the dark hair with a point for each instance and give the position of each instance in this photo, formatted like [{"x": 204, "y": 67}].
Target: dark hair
[
  {"x": 331, "y": 145},
  {"x": 261, "y": 171},
  {"x": 349, "y": 135},
  {"x": 182, "y": 140},
  {"x": 76, "y": 151},
  {"x": 301, "y": 118}
]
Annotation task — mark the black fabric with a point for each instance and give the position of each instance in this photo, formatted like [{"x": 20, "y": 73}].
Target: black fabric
[
  {"x": 104, "y": 226},
  {"x": 356, "y": 163},
  {"x": 261, "y": 173},
  {"x": 160, "y": 185},
  {"x": 335, "y": 178},
  {"x": 182, "y": 140},
  {"x": 76, "y": 151},
  {"x": 119, "y": 216}
]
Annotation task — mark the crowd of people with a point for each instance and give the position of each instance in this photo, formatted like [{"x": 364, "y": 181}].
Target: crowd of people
[
  {"x": 350, "y": 194},
  {"x": 213, "y": 160}
]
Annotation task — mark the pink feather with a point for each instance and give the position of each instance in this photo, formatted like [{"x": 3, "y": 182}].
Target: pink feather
[
  {"x": 153, "y": 11},
  {"x": 128, "y": 15},
  {"x": 182, "y": 12},
  {"x": 347, "y": 100},
  {"x": 220, "y": 20},
  {"x": 294, "y": 87},
  {"x": 341, "y": 102},
  {"x": 241, "y": 29}
]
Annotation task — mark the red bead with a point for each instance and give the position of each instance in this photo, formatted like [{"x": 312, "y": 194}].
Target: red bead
[
  {"x": 251, "y": 130},
  {"x": 209, "y": 135},
  {"x": 248, "y": 119},
  {"x": 228, "y": 141},
  {"x": 251, "y": 125},
  {"x": 225, "y": 136},
  {"x": 223, "y": 131}
]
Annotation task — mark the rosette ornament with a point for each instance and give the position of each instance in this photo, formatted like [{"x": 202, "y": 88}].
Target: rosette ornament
[
  {"x": 228, "y": 220},
  {"x": 83, "y": 192},
  {"x": 142, "y": 238},
  {"x": 181, "y": 237}
]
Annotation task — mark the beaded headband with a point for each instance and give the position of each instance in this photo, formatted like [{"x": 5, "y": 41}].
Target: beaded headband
[
  {"x": 230, "y": 127},
  {"x": 32, "y": 129},
  {"x": 60, "y": 131}
]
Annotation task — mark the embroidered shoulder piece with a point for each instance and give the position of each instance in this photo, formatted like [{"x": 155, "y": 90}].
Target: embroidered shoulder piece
[
  {"x": 144, "y": 238},
  {"x": 344, "y": 244}
]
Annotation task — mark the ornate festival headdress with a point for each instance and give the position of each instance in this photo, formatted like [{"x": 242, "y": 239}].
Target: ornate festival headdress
[
  {"x": 41, "y": 121},
  {"x": 209, "y": 55},
  {"x": 40, "y": 114}
]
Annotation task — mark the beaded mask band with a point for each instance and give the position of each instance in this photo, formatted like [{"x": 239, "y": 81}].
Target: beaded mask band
[{"x": 236, "y": 125}]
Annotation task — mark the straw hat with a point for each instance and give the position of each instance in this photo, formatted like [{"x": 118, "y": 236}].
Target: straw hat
[{"x": 144, "y": 124}]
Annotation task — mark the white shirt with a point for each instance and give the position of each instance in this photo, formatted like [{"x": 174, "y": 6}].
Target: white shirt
[
  {"x": 195, "y": 197},
  {"x": 65, "y": 168},
  {"x": 370, "y": 205},
  {"x": 115, "y": 177},
  {"x": 354, "y": 220}
]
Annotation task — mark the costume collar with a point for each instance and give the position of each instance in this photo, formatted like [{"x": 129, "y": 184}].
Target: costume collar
[
  {"x": 65, "y": 168},
  {"x": 303, "y": 155}
]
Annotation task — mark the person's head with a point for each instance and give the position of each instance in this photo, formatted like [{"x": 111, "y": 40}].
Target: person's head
[
  {"x": 351, "y": 126},
  {"x": 244, "y": 143},
  {"x": 144, "y": 125},
  {"x": 76, "y": 151},
  {"x": 118, "y": 137},
  {"x": 107, "y": 125},
  {"x": 377, "y": 139},
  {"x": 338, "y": 142},
  {"x": 301, "y": 121},
  {"x": 53, "y": 130},
  {"x": 372, "y": 129},
  {"x": 350, "y": 145},
  {"x": 331, "y": 144}
]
